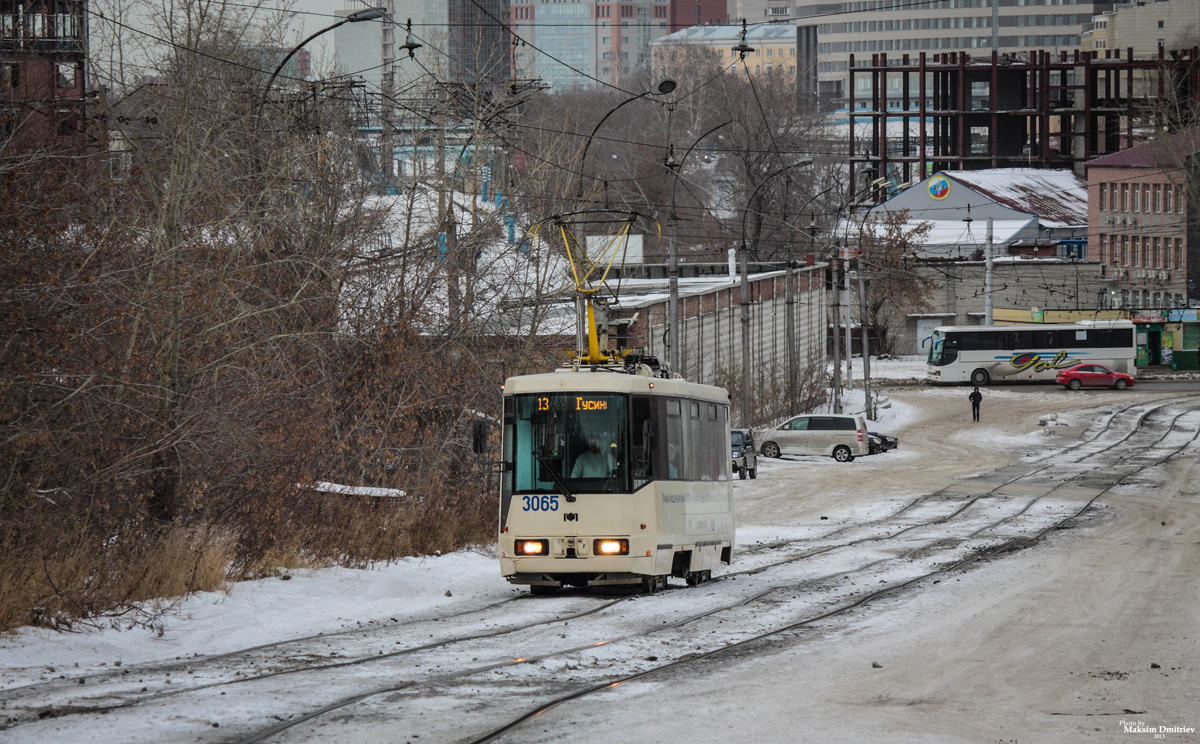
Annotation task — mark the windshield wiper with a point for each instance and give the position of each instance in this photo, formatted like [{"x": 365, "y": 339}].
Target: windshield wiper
[{"x": 557, "y": 480}]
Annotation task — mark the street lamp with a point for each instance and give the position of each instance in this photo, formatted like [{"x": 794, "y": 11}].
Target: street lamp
[
  {"x": 661, "y": 88},
  {"x": 366, "y": 14},
  {"x": 745, "y": 282},
  {"x": 673, "y": 257}
]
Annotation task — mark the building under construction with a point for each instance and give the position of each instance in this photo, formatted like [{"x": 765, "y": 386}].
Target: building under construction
[
  {"x": 954, "y": 112},
  {"x": 43, "y": 45}
]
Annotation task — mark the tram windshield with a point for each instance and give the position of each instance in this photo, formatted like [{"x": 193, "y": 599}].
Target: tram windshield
[{"x": 574, "y": 442}]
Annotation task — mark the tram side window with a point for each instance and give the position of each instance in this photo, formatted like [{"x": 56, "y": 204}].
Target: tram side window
[
  {"x": 671, "y": 449},
  {"x": 693, "y": 452},
  {"x": 714, "y": 442},
  {"x": 645, "y": 432},
  {"x": 693, "y": 441}
]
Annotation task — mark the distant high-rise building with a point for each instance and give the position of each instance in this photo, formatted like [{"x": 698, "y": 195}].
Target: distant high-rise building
[
  {"x": 897, "y": 28},
  {"x": 579, "y": 43},
  {"x": 462, "y": 41},
  {"x": 685, "y": 13}
]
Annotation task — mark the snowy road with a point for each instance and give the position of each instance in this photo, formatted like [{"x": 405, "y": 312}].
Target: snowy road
[{"x": 828, "y": 554}]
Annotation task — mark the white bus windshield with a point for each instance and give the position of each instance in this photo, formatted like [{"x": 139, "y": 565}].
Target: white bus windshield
[{"x": 942, "y": 349}]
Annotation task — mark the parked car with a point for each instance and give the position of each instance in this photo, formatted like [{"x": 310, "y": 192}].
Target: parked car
[
  {"x": 1092, "y": 375},
  {"x": 842, "y": 437},
  {"x": 745, "y": 458},
  {"x": 882, "y": 442}
]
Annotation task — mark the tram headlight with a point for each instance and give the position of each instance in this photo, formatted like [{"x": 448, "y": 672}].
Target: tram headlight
[
  {"x": 531, "y": 547},
  {"x": 610, "y": 546}
]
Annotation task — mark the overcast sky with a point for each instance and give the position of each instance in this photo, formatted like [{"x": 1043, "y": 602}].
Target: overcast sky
[{"x": 313, "y": 15}]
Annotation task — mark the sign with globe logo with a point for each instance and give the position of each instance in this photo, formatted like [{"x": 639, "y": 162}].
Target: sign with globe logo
[{"x": 939, "y": 187}]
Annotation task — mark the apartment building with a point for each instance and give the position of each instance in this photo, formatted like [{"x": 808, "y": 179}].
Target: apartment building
[
  {"x": 686, "y": 13},
  {"x": 1142, "y": 222},
  {"x": 774, "y": 48},
  {"x": 1145, "y": 27}
]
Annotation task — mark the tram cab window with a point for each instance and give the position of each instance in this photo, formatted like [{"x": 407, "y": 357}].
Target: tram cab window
[{"x": 571, "y": 442}]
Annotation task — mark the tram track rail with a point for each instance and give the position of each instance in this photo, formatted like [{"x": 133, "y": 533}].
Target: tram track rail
[{"x": 949, "y": 504}]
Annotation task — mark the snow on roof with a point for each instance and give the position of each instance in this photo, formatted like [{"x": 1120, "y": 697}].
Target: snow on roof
[
  {"x": 957, "y": 232},
  {"x": 1057, "y": 197},
  {"x": 761, "y": 32},
  {"x": 945, "y": 234}
]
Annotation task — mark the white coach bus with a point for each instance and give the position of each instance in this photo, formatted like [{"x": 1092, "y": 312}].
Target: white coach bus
[
  {"x": 1019, "y": 353},
  {"x": 614, "y": 474}
]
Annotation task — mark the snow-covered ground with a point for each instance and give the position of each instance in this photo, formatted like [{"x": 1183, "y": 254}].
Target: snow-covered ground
[{"x": 1047, "y": 645}]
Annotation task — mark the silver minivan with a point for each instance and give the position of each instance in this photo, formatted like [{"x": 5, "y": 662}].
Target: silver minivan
[{"x": 842, "y": 437}]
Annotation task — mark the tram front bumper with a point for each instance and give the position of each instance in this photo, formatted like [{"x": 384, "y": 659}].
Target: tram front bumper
[{"x": 619, "y": 578}]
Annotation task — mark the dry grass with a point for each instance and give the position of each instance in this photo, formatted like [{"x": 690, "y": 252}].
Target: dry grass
[
  {"x": 63, "y": 576},
  {"x": 71, "y": 576}
]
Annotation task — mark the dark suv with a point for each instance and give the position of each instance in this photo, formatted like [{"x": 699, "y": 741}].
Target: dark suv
[{"x": 745, "y": 459}]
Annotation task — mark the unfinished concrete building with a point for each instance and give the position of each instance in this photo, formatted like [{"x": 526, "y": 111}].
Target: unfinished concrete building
[
  {"x": 43, "y": 46},
  {"x": 954, "y": 112}
]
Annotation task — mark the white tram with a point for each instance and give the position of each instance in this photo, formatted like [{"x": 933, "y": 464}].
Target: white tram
[{"x": 614, "y": 473}]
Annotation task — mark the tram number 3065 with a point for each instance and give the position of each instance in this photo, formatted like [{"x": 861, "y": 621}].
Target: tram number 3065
[{"x": 539, "y": 503}]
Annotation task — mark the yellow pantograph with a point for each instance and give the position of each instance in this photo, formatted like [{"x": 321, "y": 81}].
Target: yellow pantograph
[{"x": 591, "y": 278}]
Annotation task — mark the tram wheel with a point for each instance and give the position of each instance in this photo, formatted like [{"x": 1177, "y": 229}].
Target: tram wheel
[
  {"x": 540, "y": 590},
  {"x": 698, "y": 577},
  {"x": 651, "y": 584}
]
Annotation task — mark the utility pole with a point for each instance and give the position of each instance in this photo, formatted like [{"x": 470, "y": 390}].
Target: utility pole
[
  {"x": 837, "y": 361},
  {"x": 746, "y": 417},
  {"x": 987, "y": 276},
  {"x": 387, "y": 94},
  {"x": 790, "y": 304},
  {"x": 849, "y": 337},
  {"x": 869, "y": 408}
]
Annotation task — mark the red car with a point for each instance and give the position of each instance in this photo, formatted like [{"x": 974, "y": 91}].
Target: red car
[{"x": 1092, "y": 375}]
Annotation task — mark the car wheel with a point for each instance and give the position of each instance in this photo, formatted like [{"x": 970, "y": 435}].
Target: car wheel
[
  {"x": 842, "y": 454},
  {"x": 753, "y": 473},
  {"x": 741, "y": 474},
  {"x": 1120, "y": 384},
  {"x": 980, "y": 377},
  {"x": 1074, "y": 384},
  {"x": 770, "y": 449}
]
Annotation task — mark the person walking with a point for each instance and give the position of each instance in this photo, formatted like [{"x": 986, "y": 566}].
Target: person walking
[{"x": 976, "y": 398}]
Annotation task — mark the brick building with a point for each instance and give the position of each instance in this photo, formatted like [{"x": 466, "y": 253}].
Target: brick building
[{"x": 1144, "y": 222}]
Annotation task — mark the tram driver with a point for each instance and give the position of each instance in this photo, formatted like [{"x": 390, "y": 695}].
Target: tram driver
[{"x": 594, "y": 463}]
